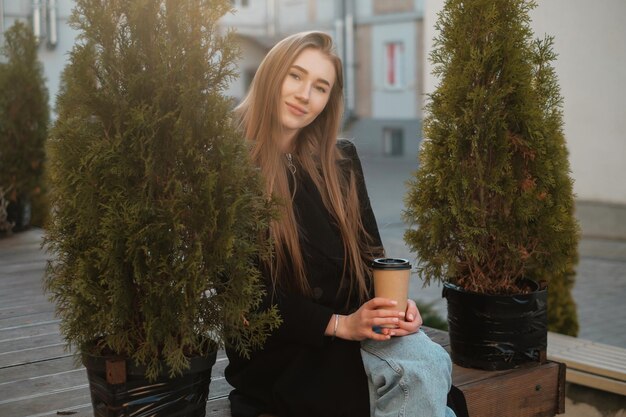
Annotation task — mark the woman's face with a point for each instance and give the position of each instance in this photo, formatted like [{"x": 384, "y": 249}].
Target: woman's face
[{"x": 305, "y": 90}]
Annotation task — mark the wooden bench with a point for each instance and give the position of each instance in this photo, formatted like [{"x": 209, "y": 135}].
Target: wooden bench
[
  {"x": 533, "y": 390},
  {"x": 591, "y": 364}
]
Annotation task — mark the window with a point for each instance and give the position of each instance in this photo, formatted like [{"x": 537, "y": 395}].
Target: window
[
  {"x": 240, "y": 3},
  {"x": 394, "y": 64},
  {"x": 393, "y": 141}
]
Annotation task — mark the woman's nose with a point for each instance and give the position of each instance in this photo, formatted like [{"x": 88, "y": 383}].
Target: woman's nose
[{"x": 304, "y": 92}]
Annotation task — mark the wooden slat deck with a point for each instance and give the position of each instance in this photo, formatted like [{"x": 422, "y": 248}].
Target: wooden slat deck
[{"x": 39, "y": 378}]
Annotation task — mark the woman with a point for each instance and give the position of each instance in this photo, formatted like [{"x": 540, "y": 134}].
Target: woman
[{"x": 324, "y": 241}]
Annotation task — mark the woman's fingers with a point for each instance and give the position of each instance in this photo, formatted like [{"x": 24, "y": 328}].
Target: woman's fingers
[
  {"x": 379, "y": 336},
  {"x": 379, "y": 312},
  {"x": 380, "y": 321},
  {"x": 409, "y": 326},
  {"x": 387, "y": 313},
  {"x": 411, "y": 310}
]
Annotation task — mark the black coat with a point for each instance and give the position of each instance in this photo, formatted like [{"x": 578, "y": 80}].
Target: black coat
[{"x": 301, "y": 372}]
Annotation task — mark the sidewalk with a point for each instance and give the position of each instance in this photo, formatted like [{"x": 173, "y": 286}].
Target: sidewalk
[{"x": 600, "y": 288}]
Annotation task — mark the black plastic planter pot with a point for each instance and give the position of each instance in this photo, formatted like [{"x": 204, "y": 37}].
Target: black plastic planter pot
[
  {"x": 495, "y": 332},
  {"x": 183, "y": 396}
]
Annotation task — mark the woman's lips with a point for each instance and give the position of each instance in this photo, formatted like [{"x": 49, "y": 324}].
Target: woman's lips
[{"x": 297, "y": 110}]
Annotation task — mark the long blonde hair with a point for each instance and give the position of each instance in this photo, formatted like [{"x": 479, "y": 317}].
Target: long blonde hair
[{"x": 316, "y": 151}]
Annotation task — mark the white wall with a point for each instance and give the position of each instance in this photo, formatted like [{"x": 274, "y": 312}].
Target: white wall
[
  {"x": 251, "y": 19},
  {"x": 55, "y": 60},
  {"x": 293, "y": 15},
  {"x": 251, "y": 56},
  {"x": 591, "y": 66},
  {"x": 325, "y": 11},
  {"x": 363, "y": 9},
  {"x": 590, "y": 40}
]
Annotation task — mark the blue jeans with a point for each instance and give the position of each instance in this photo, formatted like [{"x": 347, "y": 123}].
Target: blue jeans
[{"x": 408, "y": 376}]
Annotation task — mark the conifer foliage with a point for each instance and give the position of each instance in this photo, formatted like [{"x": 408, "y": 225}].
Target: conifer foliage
[
  {"x": 24, "y": 118},
  {"x": 158, "y": 213},
  {"x": 492, "y": 199}
]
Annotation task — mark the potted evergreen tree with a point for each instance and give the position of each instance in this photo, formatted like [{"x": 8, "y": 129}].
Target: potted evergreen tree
[
  {"x": 24, "y": 118},
  {"x": 490, "y": 207},
  {"x": 157, "y": 215}
]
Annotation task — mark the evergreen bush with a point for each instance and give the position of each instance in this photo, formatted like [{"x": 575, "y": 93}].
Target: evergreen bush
[
  {"x": 492, "y": 201},
  {"x": 158, "y": 214},
  {"x": 24, "y": 119}
]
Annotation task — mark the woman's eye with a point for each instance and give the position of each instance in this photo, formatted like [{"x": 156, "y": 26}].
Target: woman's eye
[
  {"x": 294, "y": 76},
  {"x": 321, "y": 89}
]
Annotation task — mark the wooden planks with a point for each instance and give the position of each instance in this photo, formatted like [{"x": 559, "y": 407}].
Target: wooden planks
[
  {"x": 532, "y": 391},
  {"x": 589, "y": 363},
  {"x": 39, "y": 378}
]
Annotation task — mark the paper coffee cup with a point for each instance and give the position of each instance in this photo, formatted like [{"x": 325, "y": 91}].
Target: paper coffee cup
[{"x": 391, "y": 280}]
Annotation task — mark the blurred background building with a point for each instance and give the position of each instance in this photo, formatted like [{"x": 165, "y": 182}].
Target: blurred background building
[
  {"x": 381, "y": 46},
  {"x": 384, "y": 45},
  {"x": 48, "y": 19}
]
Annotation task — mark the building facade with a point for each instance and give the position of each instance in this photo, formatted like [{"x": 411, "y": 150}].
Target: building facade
[
  {"x": 384, "y": 45},
  {"x": 381, "y": 45},
  {"x": 48, "y": 18}
]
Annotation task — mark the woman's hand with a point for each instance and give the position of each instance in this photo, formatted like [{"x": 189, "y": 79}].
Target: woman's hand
[
  {"x": 411, "y": 323},
  {"x": 376, "y": 312}
]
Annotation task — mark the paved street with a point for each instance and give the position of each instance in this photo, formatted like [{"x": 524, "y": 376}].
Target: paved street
[{"x": 600, "y": 288}]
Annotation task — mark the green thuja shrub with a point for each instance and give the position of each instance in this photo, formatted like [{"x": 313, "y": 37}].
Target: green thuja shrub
[
  {"x": 158, "y": 214},
  {"x": 24, "y": 118},
  {"x": 492, "y": 199}
]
